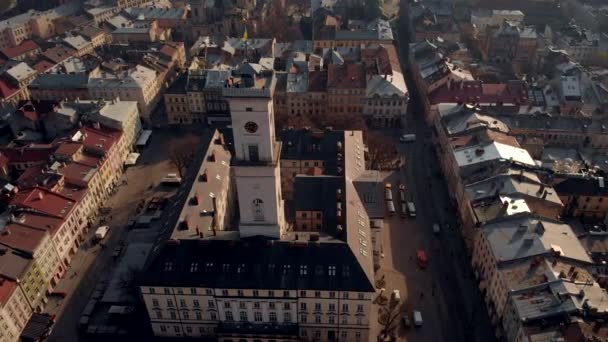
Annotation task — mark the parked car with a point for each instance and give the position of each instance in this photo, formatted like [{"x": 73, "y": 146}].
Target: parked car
[
  {"x": 403, "y": 210},
  {"x": 388, "y": 194},
  {"x": 101, "y": 232},
  {"x": 411, "y": 209},
  {"x": 436, "y": 228},
  {"x": 390, "y": 206},
  {"x": 422, "y": 259},
  {"x": 417, "y": 318},
  {"x": 171, "y": 179},
  {"x": 407, "y": 138},
  {"x": 406, "y": 320}
]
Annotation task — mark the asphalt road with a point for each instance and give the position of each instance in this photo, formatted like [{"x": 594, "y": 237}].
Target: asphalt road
[{"x": 450, "y": 301}]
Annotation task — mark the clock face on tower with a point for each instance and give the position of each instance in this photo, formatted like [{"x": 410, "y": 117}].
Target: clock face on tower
[{"x": 251, "y": 127}]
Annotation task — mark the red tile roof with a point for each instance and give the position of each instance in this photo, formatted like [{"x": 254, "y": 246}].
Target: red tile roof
[
  {"x": 100, "y": 140},
  {"x": 68, "y": 148},
  {"x": 58, "y": 54},
  {"x": 29, "y": 153},
  {"x": 346, "y": 76},
  {"x": 40, "y": 221},
  {"x": 32, "y": 176},
  {"x": 7, "y": 287},
  {"x": 382, "y": 57},
  {"x": 16, "y": 51},
  {"x": 77, "y": 173},
  {"x": 512, "y": 92},
  {"x": 74, "y": 192},
  {"x": 22, "y": 238},
  {"x": 44, "y": 201},
  {"x": 317, "y": 81},
  {"x": 43, "y": 66},
  {"x": 89, "y": 160},
  {"x": 7, "y": 89}
]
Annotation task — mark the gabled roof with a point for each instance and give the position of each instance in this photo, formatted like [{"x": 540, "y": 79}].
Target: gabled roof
[
  {"x": 44, "y": 201},
  {"x": 16, "y": 51}
]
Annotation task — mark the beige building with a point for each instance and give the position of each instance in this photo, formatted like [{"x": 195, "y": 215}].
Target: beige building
[
  {"x": 139, "y": 84},
  {"x": 14, "y": 310}
]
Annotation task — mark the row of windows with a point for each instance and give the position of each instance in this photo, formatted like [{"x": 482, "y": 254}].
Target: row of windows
[{"x": 331, "y": 270}]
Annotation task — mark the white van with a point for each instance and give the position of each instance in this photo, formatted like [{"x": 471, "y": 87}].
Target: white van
[
  {"x": 390, "y": 206},
  {"x": 417, "y": 318},
  {"x": 411, "y": 209},
  {"x": 407, "y": 138},
  {"x": 101, "y": 232},
  {"x": 388, "y": 195}
]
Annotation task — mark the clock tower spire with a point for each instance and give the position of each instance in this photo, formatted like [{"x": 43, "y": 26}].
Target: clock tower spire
[{"x": 257, "y": 152}]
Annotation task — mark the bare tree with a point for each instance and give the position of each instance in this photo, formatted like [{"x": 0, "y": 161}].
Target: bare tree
[
  {"x": 381, "y": 150},
  {"x": 181, "y": 154},
  {"x": 388, "y": 317}
]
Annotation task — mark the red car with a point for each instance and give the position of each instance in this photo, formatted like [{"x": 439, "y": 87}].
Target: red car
[{"x": 421, "y": 257}]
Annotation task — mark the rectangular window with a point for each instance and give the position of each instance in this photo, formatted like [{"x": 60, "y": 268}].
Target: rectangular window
[
  {"x": 199, "y": 315},
  {"x": 229, "y": 316},
  {"x": 256, "y": 305},
  {"x": 360, "y": 308},
  {"x": 240, "y": 293},
  {"x": 256, "y": 293},
  {"x": 272, "y": 316},
  {"x": 271, "y": 305},
  {"x": 196, "y": 303},
  {"x": 211, "y": 303},
  {"x": 287, "y": 317},
  {"x": 302, "y": 318},
  {"x": 317, "y": 306},
  {"x": 257, "y": 316},
  {"x": 317, "y": 294},
  {"x": 243, "y": 316},
  {"x": 227, "y": 305}
]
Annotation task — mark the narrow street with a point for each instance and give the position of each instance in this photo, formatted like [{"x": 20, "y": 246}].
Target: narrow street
[{"x": 445, "y": 292}]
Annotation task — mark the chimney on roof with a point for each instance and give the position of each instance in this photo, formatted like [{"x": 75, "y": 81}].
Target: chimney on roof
[{"x": 541, "y": 189}]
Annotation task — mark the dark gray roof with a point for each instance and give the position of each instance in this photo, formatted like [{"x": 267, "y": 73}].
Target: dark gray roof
[
  {"x": 319, "y": 193},
  {"x": 257, "y": 264},
  {"x": 60, "y": 81},
  {"x": 179, "y": 85},
  {"x": 312, "y": 144}
]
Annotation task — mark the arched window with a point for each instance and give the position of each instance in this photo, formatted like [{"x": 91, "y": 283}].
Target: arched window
[{"x": 258, "y": 209}]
